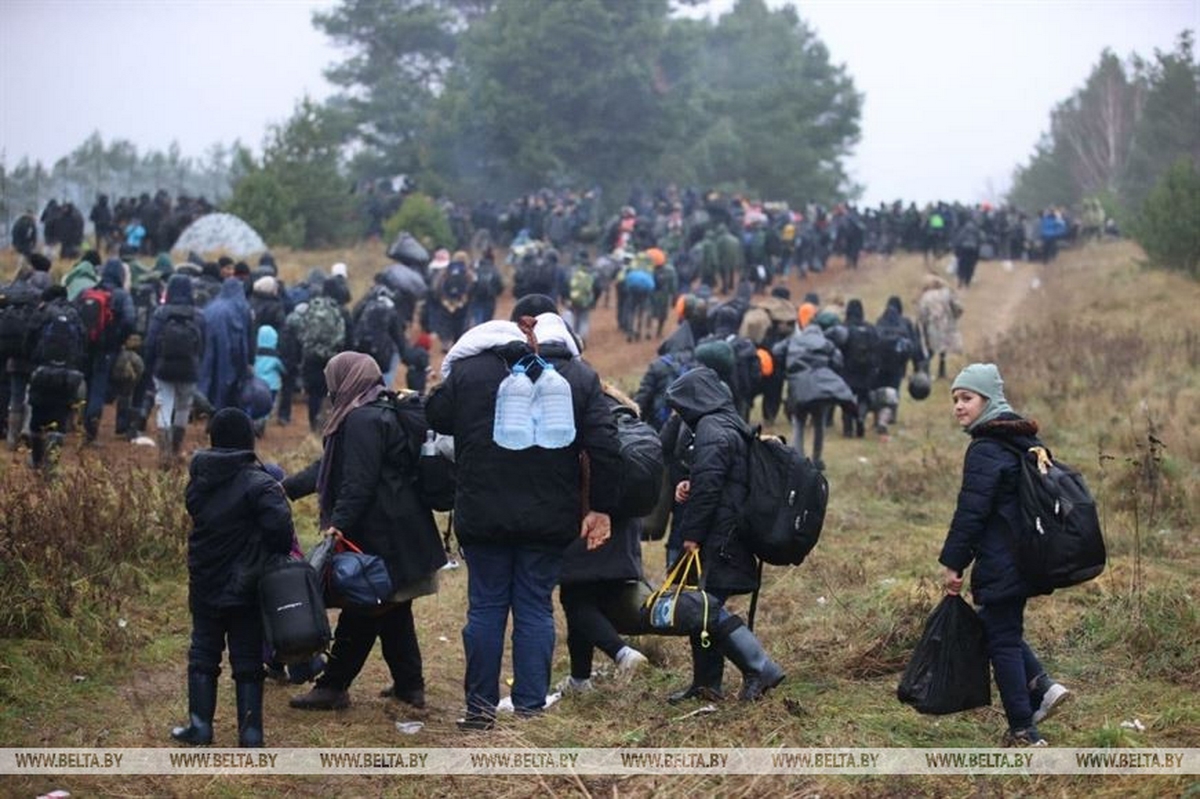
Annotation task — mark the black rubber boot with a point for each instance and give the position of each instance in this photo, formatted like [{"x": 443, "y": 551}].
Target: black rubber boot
[
  {"x": 759, "y": 673},
  {"x": 177, "y": 434},
  {"x": 708, "y": 670},
  {"x": 37, "y": 450},
  {"x": 202, "y": 704},
  {"x": 250, "y": 714}
]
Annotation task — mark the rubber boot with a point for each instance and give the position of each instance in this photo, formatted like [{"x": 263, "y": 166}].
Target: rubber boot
[
  {"x": 13, "y": 435},
  {"x": 37, "y": 450},
  {"x": 165, "y": 444},
  {"x": 250, "y": 713},
  {"x": 202, "y": 703},
  {"x": 759, "y": 673},
  {"x": 177, "y": 434},
  {"x": 708, "y": 670},
  {"x": 51, "y": 453},
  {"x": 91, "y": 429}
]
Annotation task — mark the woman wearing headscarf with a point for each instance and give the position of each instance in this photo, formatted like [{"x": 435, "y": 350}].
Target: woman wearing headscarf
[
  {"x": 366, "y": 492},
  {"x": 988, "y": 509}
]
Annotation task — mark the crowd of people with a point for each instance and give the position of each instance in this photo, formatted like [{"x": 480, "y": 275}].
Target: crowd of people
[
  {"x": 234, "y": 343},
  {"x": 145, "y": 224}
]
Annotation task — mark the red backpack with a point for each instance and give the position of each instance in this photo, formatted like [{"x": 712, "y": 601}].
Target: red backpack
[{"x": 96, "y": 313}]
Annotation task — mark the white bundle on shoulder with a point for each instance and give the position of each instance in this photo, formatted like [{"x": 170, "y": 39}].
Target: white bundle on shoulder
[{"x": 550, "y": 329}]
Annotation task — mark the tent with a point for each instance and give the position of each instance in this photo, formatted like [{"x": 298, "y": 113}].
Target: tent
[{"x": 220, "y": 233}]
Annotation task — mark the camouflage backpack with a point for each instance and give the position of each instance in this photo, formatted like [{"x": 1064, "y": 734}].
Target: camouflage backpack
[{"x": 322, "y": 329}]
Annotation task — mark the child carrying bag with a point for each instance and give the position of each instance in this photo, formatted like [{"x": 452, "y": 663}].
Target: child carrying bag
[{"x": 948, "y": 671}]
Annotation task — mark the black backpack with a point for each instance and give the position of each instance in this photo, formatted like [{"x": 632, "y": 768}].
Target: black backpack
[
  {"x": 859, "y": 352},
  {"x": 18, "y": 305},
  {"x": 60, "y": 341},
  {"x": 434, "y": 476},
  {"x": 641, "y": 463},
  {"x": 371, "y": 331},
  {"x": 1060, "y": 543},
  {"x": 455, "y": 282},
  {"x": 488, "y": 283},
  {"x": 178, "y": 345},
  {"x": 785, "y": 504},
  {"x": 895, "y": 346},
  {"x": 293, "y": 611}
]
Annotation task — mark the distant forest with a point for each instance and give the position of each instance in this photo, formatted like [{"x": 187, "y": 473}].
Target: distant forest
[{"x": 475, "y": 99}]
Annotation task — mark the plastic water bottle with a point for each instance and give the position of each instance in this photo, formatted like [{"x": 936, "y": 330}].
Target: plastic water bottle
[
  {"x": 429, "y": 448},
  {"x": 512, "y": 426},
  {"x": 554, "y": 410}
]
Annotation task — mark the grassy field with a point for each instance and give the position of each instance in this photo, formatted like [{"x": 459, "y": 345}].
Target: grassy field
[{"x": 1104, "y": 354}]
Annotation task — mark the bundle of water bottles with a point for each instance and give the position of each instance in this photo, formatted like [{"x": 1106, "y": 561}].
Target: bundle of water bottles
[{"x": 534, "y": 414}]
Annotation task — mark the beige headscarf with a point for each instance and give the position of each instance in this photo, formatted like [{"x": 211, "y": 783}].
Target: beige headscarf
[{"x": 353, "y": 380}]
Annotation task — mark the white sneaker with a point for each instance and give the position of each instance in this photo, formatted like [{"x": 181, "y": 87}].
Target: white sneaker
[
  {"x": 1055, "y": 695},
  {"x": 569, "y": 686},
  {"x": 629, "y": 660}
]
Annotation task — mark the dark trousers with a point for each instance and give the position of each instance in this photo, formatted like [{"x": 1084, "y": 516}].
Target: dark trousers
[
  {"x": 355, "y": 636},
  {"x": 1014, "y": 665},
  {"x": 99, "y": 367},
  {"x": 314, "y": 389},
  {"x": 241, "y": 628},
  {"x": 588, "y": 608}
]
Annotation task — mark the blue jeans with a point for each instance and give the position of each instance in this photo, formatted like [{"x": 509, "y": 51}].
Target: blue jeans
[
  {"x": 501, "y": 579},
  {"x": 1014, "y": 665},
  {"x": 97, "y": 385}
]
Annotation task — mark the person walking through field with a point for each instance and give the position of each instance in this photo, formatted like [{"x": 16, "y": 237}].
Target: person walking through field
[
  {"x": 987, "y": 512},
  {"x": 938, "y": 312}
]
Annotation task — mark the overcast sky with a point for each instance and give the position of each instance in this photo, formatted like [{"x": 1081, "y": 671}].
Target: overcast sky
[{"x": 957, "y": 91}]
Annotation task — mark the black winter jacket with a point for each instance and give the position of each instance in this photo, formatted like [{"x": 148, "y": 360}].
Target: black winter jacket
[
  {"x": 532, "y": 496},
  {"x": 375, "y": 500},
  {"x": 240, "y": 517},
  {"x": 988, "y": 511},
  {"x": 712, "y": 513}
]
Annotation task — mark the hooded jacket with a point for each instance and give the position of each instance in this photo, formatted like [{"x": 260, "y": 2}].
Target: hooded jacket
[
  {"x": 532, "y": 496},
  {"x": 240, "y": 517},
  {"x": 988, "y": 510},
  {"x": 719, "y": 481},
  {"x": 227, "y": 346},
  {"x": 267, "y": 363},
  {"x": 812, "y": 365},
  {"x": 178, "y": 303}
]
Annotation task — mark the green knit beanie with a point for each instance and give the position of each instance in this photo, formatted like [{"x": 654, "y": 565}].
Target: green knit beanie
[{"x": 984, "y": 379}]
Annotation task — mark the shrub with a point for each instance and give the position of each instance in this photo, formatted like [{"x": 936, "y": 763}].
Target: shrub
[
  {"x": 421, "y": 217},
  {"x": 1168, "y": 226}
]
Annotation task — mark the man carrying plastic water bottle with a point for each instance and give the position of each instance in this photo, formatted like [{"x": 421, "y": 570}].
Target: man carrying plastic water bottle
[{"x": 537, "y": 467}]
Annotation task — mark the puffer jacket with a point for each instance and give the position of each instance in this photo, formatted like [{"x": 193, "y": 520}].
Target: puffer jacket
[
  {"x": 240, "y": 517},
  {"x": 712, "y": 513},
  {"x": 813, "y": 365},
  {"x": 988, "y": 511}
]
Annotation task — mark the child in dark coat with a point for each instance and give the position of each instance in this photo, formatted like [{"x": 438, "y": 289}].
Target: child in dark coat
[
  {"x": 987, "y": 510},
  {"x": 240, "y": 520}
]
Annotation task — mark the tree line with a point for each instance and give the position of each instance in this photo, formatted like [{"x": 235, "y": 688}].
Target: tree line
[{"x": 1129, "y": 138}]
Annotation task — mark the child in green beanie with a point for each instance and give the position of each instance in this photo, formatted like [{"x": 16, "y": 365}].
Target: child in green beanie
[{"x": 988, "y": 509}]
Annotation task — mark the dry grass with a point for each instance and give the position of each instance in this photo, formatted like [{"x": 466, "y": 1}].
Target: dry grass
[{"x": 1101, "y": 353}]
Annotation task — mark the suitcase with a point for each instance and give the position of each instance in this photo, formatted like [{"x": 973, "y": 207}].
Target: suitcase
[{"x": 293, "y": 612}]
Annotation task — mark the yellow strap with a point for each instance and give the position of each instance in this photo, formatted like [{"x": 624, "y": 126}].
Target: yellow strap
[{"x": 1043, "y": 459}]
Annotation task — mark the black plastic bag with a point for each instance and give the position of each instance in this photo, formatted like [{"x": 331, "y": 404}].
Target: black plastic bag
[{"x": 948, "y": 671}]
